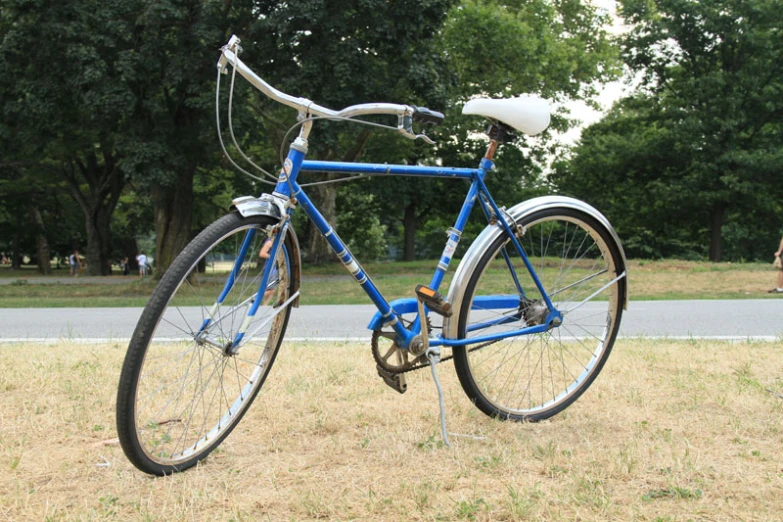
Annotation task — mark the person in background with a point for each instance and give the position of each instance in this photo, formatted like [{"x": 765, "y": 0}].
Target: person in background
[
  {"x": 73, "y": 261},
  {"x": 779, "y": 266},
  {"x": 142, "y": 259}
]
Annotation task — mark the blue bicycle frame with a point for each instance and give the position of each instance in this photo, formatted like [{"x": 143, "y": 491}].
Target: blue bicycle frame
[{"x": 288, "y": 188}]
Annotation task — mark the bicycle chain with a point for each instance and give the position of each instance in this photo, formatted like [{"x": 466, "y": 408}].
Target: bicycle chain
[{"x": 448, "y": 357}]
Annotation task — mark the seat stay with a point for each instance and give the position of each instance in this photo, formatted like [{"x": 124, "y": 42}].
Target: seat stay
[{"x": 501, "y": 217}]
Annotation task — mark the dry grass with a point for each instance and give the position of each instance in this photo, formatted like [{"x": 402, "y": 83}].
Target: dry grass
[{"x": 670, "y": 431}]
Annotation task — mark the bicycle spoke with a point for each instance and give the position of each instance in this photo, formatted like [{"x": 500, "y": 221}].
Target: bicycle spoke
[{"x": 190, "y": 391}]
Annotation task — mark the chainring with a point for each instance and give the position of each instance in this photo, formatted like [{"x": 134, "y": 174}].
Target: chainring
[{"x": 394, "y": 359}]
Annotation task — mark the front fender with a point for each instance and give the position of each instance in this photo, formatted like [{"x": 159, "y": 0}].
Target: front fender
[
  {"x": 492, "y": 232},
  {"x": 271, "y": 206},
  {"x": 266, "y": 205}
]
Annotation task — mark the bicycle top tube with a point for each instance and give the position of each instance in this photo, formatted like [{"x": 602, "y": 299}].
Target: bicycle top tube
[{"x": 380, "y": 169}]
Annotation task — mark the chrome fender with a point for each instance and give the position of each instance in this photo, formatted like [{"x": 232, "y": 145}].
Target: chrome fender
[
  {"x": 492, "y": 232},
  {"x": 269, "y": 205}
]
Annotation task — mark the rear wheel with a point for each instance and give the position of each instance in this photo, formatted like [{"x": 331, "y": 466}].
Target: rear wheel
[
  {"x": 183, "y": 387},
  {"x": 532, "y": 377}
]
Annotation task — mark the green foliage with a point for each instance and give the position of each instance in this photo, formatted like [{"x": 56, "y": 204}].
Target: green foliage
[
  {"x": 64, "y": 105},
  {"x": 675, "y": 492},
  {"x": 107, "y": 109},
  {"x": 504, "y": 48},
  {"x": 628, "y": 166},
  {"x": 358, "y": 221},
  {"x": 497, "y": 49},
  {"x": 696, "y": 155},
  {"x": 689, "y": 166}
]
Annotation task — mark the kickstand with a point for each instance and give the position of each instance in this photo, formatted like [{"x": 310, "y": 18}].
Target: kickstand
[{"x": 433, "y": 354}]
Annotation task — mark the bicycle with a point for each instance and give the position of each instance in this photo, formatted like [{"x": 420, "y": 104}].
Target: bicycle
[{"x": 531, "y": 314}]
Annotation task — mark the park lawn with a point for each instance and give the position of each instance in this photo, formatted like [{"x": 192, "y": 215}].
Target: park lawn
[
  {"x": 669, "y": 431},
  {"x": 330, "y": 284}
]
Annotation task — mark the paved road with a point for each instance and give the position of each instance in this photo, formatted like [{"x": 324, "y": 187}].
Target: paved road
[{"x": 760, "y": 319}]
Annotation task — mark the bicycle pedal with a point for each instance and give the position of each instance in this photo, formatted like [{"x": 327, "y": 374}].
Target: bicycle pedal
[
  {"x": 395, "y": 381},
  {"x": 434, "y": 300}
]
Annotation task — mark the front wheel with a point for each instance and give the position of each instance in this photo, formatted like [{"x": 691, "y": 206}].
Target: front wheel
[
  {"x": 533, "y": 377},
  {"x": 186, "y": 382}
]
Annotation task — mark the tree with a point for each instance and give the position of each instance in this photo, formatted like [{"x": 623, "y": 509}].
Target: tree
[
  {"x": 629, "y": 166},
  {"x": 715, "y": 69},
  {"x": 343, "y": 53},
  {"x": 64, "y": 105},
  {"x": 173, "y": 136},
  {"x": 128, "y": 92},
  {"x": 492, "y": 48}
]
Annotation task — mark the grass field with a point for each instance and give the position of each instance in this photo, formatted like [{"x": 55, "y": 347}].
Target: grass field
[
  {"x": 331, "y": 285},
  {"x": 669, "y": 431}
]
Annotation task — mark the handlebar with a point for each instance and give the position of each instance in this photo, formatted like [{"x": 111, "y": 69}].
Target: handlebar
[{"x": 405, "y": 113}]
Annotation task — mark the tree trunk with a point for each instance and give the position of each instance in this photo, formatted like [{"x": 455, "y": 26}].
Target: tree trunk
[
  {"x": 324, "y": 197},
  {"x": 130, "y": 249},
  {"x": 173, "y": 217},
  {"x": 409, "y": 223},
  {"x": 104, "y": 186},
  {"x": 716, "y": 218},
  {"x": 44, "y": 260},
  {"x": 98, "y": 251},
  {"x": 318, "y": 250}
]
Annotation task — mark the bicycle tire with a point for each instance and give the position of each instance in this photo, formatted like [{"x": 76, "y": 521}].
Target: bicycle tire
[
  {"x": 169, "y": 362},
  {"x": 535, "y": 376}
]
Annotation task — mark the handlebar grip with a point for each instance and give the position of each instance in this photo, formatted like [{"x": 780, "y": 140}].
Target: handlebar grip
[{"x": 426, "y": 115}]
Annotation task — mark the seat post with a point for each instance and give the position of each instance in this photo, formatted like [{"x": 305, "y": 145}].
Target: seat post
[
  {"x": 493, "y": 146},
  {"x": 498, "y": 133}
]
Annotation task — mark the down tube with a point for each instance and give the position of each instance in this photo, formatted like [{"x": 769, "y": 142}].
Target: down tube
[{"x": 353, "y": 266}]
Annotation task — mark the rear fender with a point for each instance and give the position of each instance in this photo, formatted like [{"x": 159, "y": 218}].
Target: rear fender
[{"x": 492, "y": 232}]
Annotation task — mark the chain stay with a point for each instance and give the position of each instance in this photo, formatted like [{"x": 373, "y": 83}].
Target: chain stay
[{"x": 421, "y": 365}]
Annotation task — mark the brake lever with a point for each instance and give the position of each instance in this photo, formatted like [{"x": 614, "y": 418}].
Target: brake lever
[
  {"x": 234, "y": 47},
  {"x": 405, "y": 128},
  {"x": 413, "y": 136}
]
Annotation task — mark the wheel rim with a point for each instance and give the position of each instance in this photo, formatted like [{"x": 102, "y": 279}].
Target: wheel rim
[
  {"x": 537, "y": 375},
  {"x": 190, "y": 392}
]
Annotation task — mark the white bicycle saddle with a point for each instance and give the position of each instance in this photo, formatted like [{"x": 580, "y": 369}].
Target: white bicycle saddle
[{"x": 527, "y": 114}]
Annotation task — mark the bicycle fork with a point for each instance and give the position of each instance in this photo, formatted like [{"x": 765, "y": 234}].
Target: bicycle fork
[{"x": 254, "y": 302}]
